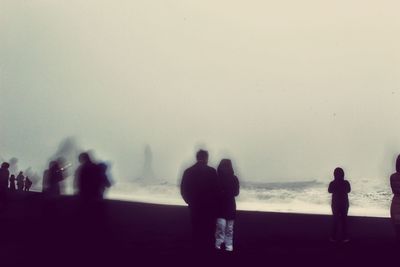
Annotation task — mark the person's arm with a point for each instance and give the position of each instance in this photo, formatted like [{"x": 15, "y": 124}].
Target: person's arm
[
  {"x": 394, "y": 185},
  {"x": 348, "y": 187},
  {"x": 184, "y": 188},
  {"x": 236, "y": 186},
  {"x": 330, "y": 188}
]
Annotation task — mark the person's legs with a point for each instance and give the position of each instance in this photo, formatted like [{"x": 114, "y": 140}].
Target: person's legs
[
  {"x": 343, "y": 219},
  {"x": 196, "y": 228},
  {"x": 229, "y": 235},
  {"x": 397, "y": 231},
  {"x": 335, "y": 219},
  {"x": 220, "y": 232}
]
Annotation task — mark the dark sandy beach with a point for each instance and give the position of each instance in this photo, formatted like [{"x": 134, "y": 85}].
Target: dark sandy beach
[{"x": 38, "y": 232}]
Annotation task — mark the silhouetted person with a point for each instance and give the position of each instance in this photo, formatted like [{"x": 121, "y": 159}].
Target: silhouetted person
[
  {"x": 28, "y": 184},
  {"x": 339, "y": 188},
  {"x": 4, "y": 175},
  {"x": 54, "y": 177},
  {"x": 13, "y": 188},
  {"x": 227, "y": 190},
  {"x": 395, "y": 207},
  {"x": 198, "y": 188},
  {"x": 104, "y": 182},
  {"x": 20, "y": 181},
  {"x": 90, "y": 179},
  {"x": 45, "y": 181}
]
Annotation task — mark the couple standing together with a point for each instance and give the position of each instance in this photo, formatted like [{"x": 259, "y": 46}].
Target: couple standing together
[{"x": 210, "y": 195}]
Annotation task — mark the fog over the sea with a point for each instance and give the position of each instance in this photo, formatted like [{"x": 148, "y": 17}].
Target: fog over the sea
[{"x": 288, "y": 89}]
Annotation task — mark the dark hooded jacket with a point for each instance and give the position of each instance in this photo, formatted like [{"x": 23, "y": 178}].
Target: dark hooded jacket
[
  {"x": 227, "y": 190},
  {"x": 339, "y": 188},
  {"x": 4, "y": 175}
]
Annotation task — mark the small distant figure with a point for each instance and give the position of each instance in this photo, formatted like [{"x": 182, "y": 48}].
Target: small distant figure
[
  {"x": 13, "y": 188},
  {"x": 395, "y": 206},
  {"x": 45, "y": 181},
  {"x": 227, "y": 190},
  {"x": 28, "y": 184},
  {"x": 4, "y": 175},
  {"x": 20, "y": 181},
  {"x": 339, "y": 188},
  {"x": 198, "y": 188}
]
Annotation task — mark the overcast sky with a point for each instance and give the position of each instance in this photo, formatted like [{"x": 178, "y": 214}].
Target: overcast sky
[{"x": 289, "y": 89}]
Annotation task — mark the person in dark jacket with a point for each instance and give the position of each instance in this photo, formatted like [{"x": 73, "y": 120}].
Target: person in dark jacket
[
  {"x": 54, "y": 178},
  {"x": 4, "y": 175},
  {"x": 28, "y": 184},
  {"x": 12, "y": 183},
  {"x": 91, "y": 178},
  {"x": 227, "y": 190},
  {"x": 20, "y": 181},
  {"x": 339, "y": 188},
  {"x": 198, "y": 187},
  {"x": 395, "y": 206}
]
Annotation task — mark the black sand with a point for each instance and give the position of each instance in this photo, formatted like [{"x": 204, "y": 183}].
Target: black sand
[{"x": 37, "y": 232}]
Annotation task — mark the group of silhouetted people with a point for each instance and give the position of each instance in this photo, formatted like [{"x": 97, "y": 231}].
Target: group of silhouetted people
[
  {"x": 12, "y": 183},
  {"x": 210, "y": 195},
  {"x": 90, "y": 178}
]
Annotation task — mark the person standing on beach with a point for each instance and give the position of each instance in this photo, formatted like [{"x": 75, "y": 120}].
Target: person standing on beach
[
  {"x": 28, "y": 184},
  {"x": 55, "y": 176},
  {"x": 198, "y": 188},
  {"x": 4, "y": 174},
  {"x": 339, "y": 188},
  {"x": 12, "y": 183},
  {"x": 227, "y": 190},
  {"x": 90, "y": 181},
  {"x": 395, "y": 206},
  {"x": 20, "y": 181}
]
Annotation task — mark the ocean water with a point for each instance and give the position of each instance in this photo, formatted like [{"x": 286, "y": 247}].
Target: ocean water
[{"x": 369, "y": 197}]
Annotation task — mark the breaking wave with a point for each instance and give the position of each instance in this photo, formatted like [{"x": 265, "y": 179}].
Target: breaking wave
[{"x": 366, "y": 199}]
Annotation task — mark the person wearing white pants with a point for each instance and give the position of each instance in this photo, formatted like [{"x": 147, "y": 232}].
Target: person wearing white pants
[
  {"x": 227, "y": 190},
  {"x": 224, "y": 234}
]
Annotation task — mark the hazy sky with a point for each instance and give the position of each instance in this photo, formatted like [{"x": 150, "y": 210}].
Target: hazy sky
[{"x": 289, "y": 89}]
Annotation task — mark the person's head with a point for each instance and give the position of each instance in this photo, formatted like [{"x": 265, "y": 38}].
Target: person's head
[
  {"x": 398, "y": 164},
  {"x": 21, "y": 173},
  {"x": 225, "y": 168},
  {"x": 202, "y": 156},
  {"x": 338, "y": 173},
  {"x": 84, "y": 157},
  {"x": 53, "y": 164},
  {"x": 12, "y": 176},
  {"x": 5, "y": 165}
]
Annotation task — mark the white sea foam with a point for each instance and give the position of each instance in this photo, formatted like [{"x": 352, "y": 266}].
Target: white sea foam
[{"x": 366, "y": 199}]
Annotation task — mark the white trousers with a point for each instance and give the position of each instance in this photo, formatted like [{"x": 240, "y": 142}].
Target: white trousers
[{"x": 224, "y": 234}]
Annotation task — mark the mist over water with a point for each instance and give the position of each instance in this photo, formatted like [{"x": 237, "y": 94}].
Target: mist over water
[{"x": 288, "y": 90}]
